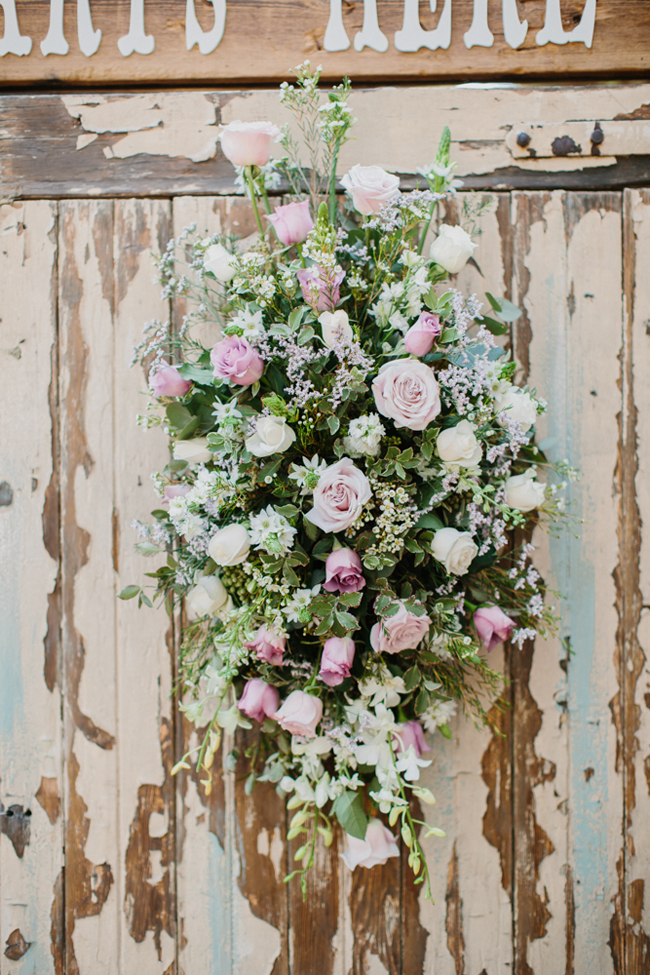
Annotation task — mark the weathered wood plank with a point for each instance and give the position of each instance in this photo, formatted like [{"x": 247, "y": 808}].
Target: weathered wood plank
[
  {"x": 164, "y": 143},
  {"x": 144, "y": 651},
  {"x": 86, "y": 303},
  {"x": 568, "y": 833},
  {"x": 31, "y": 791},
  {"x": 262, "y": 40}
]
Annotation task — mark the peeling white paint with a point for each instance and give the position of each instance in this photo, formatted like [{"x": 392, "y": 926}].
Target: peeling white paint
[{"x": 85, "y": 139}]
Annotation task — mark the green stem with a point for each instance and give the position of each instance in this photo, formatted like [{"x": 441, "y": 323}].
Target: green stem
[
  {"x": 426, "y": 229},
  {"x": 407, "y": 812},
  {"x": 332, "y": 190},
  {"x": 251, "y": 185},
  {"x": 267, "y": 204}
]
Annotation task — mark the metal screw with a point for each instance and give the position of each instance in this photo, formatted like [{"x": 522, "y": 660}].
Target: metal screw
[
  {"x": 523, "y": 139},
  {"x": 597, "y": 135}
]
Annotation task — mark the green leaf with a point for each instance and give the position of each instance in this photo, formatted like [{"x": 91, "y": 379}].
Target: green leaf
[
  {"x": 297, "y": 315},
  {"x": 269, "y": 469},
  {"x": 177, "y": 466},
  {"x": 350, "y": 598},
  {"x": 422, "y": 701},
  {"x": 178, "y": 415},
  {"x": 492, "y": 325},
  {"x": 444, "y": 730},
  {"x": 189, "y": 429},
  {"x": 333, "y": 423},
  {"x": 431, "y": 299},
  {"x": 306, "y": 335},
  {"x": 148, "y": 548},
  {"x": 196, "y": 374},
  {"x": 286, "y": 510},
  {"x": 311, "y": 529},
  {"x": 291, "y": 576},
  {"x": 504, "y": 308},
  {"x": 129, "y": 592},
  {"x": 429, "y": 521},
  {"x": 449, "y": 335},
  {"x": 412, "y": 678},
  {"x": 348, "y": 809}
]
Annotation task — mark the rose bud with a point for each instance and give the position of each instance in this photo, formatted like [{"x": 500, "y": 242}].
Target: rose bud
[
  {"x": 411, "y": 733},
  {"x": 403, "y": 631},
  {"x": 230, "y": 545},
  {"x": 492, "y": 626},
  {"x": 456, "y": 550},
  {"x": 300, "y": 714},
  {"x": 370, "y": 188},
  {"x": 194, "y": 451},
  {"x": 248, "y": 143},
  {"x": 219, "y": 262},
  {"x": 208, "y": 597},
  {"x": 338, "y": 655},
  {"x": 268, "y": 645},
  {"x": 168, "y": 382},
  {"x": 234, "y": 358},
  {"x": 174, "y": 491},
  {"x": 292, "y": 223},
  {"x": 523, "y": 492},
  {"x": 259, "y": 700},
  {"x": 377, "y": 847},
  {"x": 343, "y": 571},
  {"x": 420, "y": 338},
  {"x": 452, "y": 248}
]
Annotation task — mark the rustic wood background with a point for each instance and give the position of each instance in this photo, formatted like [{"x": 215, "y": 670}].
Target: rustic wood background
[{"x": 108, "y": 866}]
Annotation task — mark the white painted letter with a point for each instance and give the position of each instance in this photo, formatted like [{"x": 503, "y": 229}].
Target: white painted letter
[
  {"x": 136, "y": 40},
  {"x": 479, "y": 34},
  {"x": 370, "y": 35},
  {"x": 412, "y": 36},
  {"x": 13, "y": 41},
  {"x": 336, "y": 38},
  {"x": 55, "y": 42},
  {"x": 514, "y": 32},
  {"x": 553, "y": 33},
  {"x": 194, "y": 33},
  {"x": 89, "y": 39}
]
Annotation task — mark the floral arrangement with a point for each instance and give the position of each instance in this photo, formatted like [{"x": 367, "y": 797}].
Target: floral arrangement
[{"x": 350, "y": 456}]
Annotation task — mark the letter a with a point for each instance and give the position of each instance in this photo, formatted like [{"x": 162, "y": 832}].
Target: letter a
[
  {"x": 553, "y": 33},
  {"x": 13, "y": 41},
  {"x": 194, "y": 34}
]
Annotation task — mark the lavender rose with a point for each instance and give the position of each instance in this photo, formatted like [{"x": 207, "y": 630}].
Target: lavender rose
[
  {"x": 300, "y": 714},
  {"x": 377, "y": 847},
  {"x": 259, "y": 700},
  {"x": 248, "y": 143},
  {"x": 292, "y": 223},
  {"x": 411, "y": 733},
  {"x": 268, "y": 645},
  {"x": 420, "y": 338},
  {"x": 407, "y": 392},
  {"x": 321, "y": 287},
  {"x": 343, "y": 571},
  {"x": 338, "y": 655},
  {"x": 492, "y": 626},
  {"x": 370, "y": 188},
  {"x": 235, "y": 359},
  {"x": 168, "y": 382},
  {"x": 174, "y": 491},
  {"x": 403, "y": 631},
  {"x": 339, "y": 496}
]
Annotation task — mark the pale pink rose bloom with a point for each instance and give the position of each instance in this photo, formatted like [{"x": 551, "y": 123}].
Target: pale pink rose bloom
[
  {"x": 370, "y": 188},
  {"x": 268, "y": 645},
  {"x": 234, "y": 358},
  {"x": 259, "y": 700},
  {"x": 411, "y": 733},
  {"x": 175, "y": 491},
  {"x": 407, "y": 392},
  {"x": 248, "y": 143},
  {"x": 300, "y": 714},
  {"x": 492, "y": 626},
  {"x": 168, "y": 382},
  {"x": 343, "y": 571},
  {"x": 403, "y": 631},
  {"x": 420, "y": 338},
  {"x": 338, "y": 656},
  {"x": 321, "y": 287},
  {"x": 339, "y": 496},
  {"x": 377, "y": 847},
  {"x": 292, "y": 222}
]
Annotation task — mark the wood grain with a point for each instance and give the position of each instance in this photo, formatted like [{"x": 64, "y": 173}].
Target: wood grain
[{"x": 264, "y": 39}]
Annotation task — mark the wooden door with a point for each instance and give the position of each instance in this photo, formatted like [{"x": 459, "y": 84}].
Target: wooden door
[{"x": 110, "y": 865}]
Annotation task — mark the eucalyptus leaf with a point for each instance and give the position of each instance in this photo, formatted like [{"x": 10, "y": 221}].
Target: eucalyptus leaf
[{"x": 348, "y": 809}]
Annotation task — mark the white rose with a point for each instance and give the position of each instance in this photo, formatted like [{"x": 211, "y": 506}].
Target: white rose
[
  {"x": 230, "y": 546},
  {"x": 336, "y": 327},
  {"x": 456, "y": 550},
  {"x": 516, "y": 404},
  {"x": 523, "y": 492},
  {"x": 459, "y": 446},
  {"x": 220, "y": 262},
  {"x": 208, "y": 596},
  {"x": 272, "y": 436},
  {"x": 193, "y": 451},
  {"x": 370, "y": 188},
  {"x": 452, "y": 248}
]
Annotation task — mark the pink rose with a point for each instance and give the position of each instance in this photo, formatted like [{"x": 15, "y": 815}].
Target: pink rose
[
  {"x": 248, "y": 143},
  {"x": 321, "y": 287},
  {"x": 420, "y": 337},
  {"x": 408, "y": 393},
  {"x": 259, "y": 700},
  {"x": 235, "y": 359},
  {"x": 343, "y": 571},
  {"x": 377, "y": 847},
  {"x": 492, "y": 626},
  {"x": 300, "y": 714},
  {"x": 268, "y": 645},
  {"x": 339, "y": 496},
  {"x": 370, "y": 188},
  {"x": 175, "y": 491},
  {"x": 411, "y": 733},
  {"x": 403, "y": 631},
  {"x": 338, "y": 654},
  {"x": 292, "y": 222},
  {"x": 168, "y": 382}
]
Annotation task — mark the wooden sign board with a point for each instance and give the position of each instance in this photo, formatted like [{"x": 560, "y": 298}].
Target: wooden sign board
[{"x": 99, "y": 42}]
